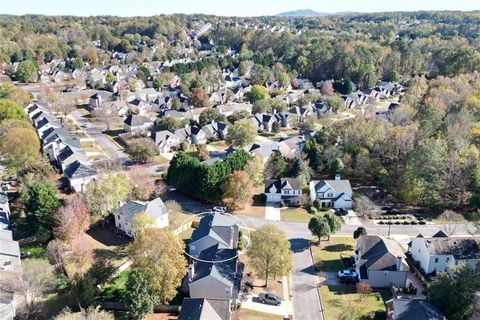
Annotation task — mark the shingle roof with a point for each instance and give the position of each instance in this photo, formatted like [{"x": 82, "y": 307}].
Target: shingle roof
[
  {"x": 378, "y": 253},
  {"x": 338, "y": 186},
  {"x": 279, "y": 184},
  {"x": 216, "y": 226},
  {"x": 78, "y": 170},
  {"x": 136, "y": 120},
  {"x": 131, "y": 209},
  {"x": 404, "y": 309},
  {"x": 205, "y": 309},
  {"x": 460, "y": 248}
]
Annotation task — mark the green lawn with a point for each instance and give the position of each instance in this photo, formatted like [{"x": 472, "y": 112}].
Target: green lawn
[
  {"x": 335, "y": 298},
  {"x": 327, "y": 255},
  {"x": 116, "y": 289},
  {"x": 246, "y": 314},
  {"x": 36, "y": 250},
  {"x": 295, "y": 215},
  {"x": 179, "y": 218},
  {"x": 160, "y": 160}
]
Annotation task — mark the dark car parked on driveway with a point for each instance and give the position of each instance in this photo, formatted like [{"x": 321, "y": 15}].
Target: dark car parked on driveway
[{"x": 269, "y": 298}]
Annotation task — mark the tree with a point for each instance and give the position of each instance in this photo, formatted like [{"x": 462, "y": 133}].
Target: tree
[
  {"x": 72, "y": 219},
  {"x": 364, "y": 206},
  {"x": 336, "y": 103},
  {"x": 254, "y": 170},
  {"x": 40, "y": 204},
  {"x": 55, "y": 253},
  {"x": 451, "y": 221},
  {"x": 157, "y": 252},
  {"x": 174, "y": 211},
  {"x": 107, "y": 113},
  {"x": 141, "y": 150},
  {"x": 269, "y": 252},
  {"x": 276, "y": 166},
  {"x": 80, "y": 255},
  {"x": 327, "y": 88},
  {"x": 259, "y": 74},
  {"x": 142, "y": 183},
  {"x": 105, "y": 194},
  {"x": 140, "y": 296},
  {"x": 10, "y": 109},
  {"x": 257, "y": 93},
  {"x": 141, "y": 222},
  {"x": 360, "y": 231},
  {"x": 333, "y": 222},
  {"x": 168, "y": 123},
  {"x": 237, "y": 190},
  {"x": 242, "y": 133},
  {"x": 275, "y": 127},
  {"x": 209, "y": 115},
  {"x": 34, "y": 281},
  {"x": 336, "y": 167},
  {"x": 319, "y": 227},
  {"x": 455, "y": 293},
  {"x": 20, "y": 148},
  {"x": 90, "y": 314},
  {"x": 199, "y": 98},
  {"x": 27, "y": 71}
]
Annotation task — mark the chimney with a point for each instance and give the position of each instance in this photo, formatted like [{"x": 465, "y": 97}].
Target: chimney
[
  {"x": 338, "y": 177},
  {"x": 399, "y": 263},
  {"x": 191, "y": 272}
]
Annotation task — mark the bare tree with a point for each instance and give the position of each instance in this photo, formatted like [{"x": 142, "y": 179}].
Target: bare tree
[
  {"x": 107, "y": 113},
  {"x": 81, "y": 254},
  {"x": 451, "y": 221},
  {"x": 364, "y": 206},
  {"x": 143, "y": 184},
  {"x": 56, "y": 254},
  {"x": 72, "y": 219}
]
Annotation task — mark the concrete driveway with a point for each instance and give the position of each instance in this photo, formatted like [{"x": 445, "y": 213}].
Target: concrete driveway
[
  {"x": 272, "y": 211},
  {"x": 285, "y": 309}
]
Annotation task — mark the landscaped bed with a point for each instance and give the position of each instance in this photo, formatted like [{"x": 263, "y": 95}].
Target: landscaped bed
[
  {"x": 336, "y": 299},
  {"x": 327, "y": 256}
]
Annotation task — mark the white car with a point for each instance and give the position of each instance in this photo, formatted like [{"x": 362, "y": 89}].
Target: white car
[{"x": 347, "y": 274}]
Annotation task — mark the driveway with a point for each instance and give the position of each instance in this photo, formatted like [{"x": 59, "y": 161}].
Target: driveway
[
  {"x": 272, "y": 211},
  {"x": 352, "y": 219},
  {"x": 306, "y": 300},
  {"x": 284, "y": 309}
]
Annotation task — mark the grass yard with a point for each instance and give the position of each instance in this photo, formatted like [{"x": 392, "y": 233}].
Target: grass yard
[
  {"x": 295, "y": 215},
  {"x": 335, "y": 299},
  {"x": 116, "y": 289},
  {"x": 186, "y": 234},
  {"x": 36, "y": 250},
  {"x": 160, "y": 160},
  {"x": 327, "y": 255},
  {"x": 179, "y": 218},
  {"x": 246, "y": 314}
]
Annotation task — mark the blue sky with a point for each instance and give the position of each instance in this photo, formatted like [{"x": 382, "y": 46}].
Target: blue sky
[{"x": 219, "y": 7}]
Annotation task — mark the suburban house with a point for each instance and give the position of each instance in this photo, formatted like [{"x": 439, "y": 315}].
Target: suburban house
[
  {"x": 380, "y": 262},
  {"x": 4, "y": 205},
  {"x": 219, "y": 279},
  {"x": 408, "y": 309},
  {"x": 70, "y": 154},
  {"x": 125, "y": 215},
  {"x": 231, "y": 108},
  {"x": 52, "y": 145},
  {"x": 291, "y": 147},
  {"x": 216, "y": 130},
  {"x": 332, "y": 193},
  {"x": 214, "y": 229},
  {"x": 194, "y": 135},
  {"x": 285, "y": 190},
  {"x": 263, "y": 151},
  {"x": 135, "y": 124},
  {"x": 440, "y": 253},
  {"x": 79, "y": 175},
  {"x": 263, "y": 121},
  {"x": 205, "y": 309},
  {"x": 166, "y": 141},
  {"x": 282, "y": 118}
]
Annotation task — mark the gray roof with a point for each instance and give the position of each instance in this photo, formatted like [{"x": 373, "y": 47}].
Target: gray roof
[
  {"x": 61, "y": 132},
  {"x": 217, "y": 226},
  {"x": 164, "y": 135},
  {"x": 264, "y": 150},
  {"x": 279, "y": 184},
  {"x": 68, "y": 152},
  {"x": 9, "y": 248},
  {"x": 205, "y": 309},
  {"x": 379, "y": 254},
  {"x": 131, "y": 209},
  {"x": 404, "y": 309},
  {"x": 135, "y": 120},
  {"x": 78, "y": 170},
  {"x": 460, "y": 248},
  {"x": 338, "y": 186}
]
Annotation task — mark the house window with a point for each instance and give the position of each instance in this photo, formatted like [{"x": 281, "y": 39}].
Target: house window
[
  {"x": 329, "y": 195},
  {"x": 436, "y": 260},
  {"x": 286, "y": 191}
]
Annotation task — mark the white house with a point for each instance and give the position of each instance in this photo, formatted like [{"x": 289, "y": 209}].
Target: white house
[
  {"x": 166, "y": 141},
  {"x": 440, "y": 253},
  {"x": 381, "y": 262},
  {"x": 332, "y": 193},
  {"x": 285, "y": 190},
  {"x": 125, "y": 215},
  {"x": 4, "y": 205},
  {"x": 79, "y": 175}
]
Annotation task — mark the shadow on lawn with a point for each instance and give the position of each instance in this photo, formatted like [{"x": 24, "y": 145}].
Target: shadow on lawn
[
  {"x": 339, "y": 248},
  {"x": 107, "y": 236}
]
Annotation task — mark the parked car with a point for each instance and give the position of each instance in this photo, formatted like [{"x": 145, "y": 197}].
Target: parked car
[
  {"x": 341, "y": 212},
  {"x": 270, "y": 298},
  {"x": 348, "y": 276}
]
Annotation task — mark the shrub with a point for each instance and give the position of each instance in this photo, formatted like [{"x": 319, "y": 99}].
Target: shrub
[
  {"x": 363, "y": 288},
  {"x": 413, "y": 222},
  {"x": 389, "y": 222},
  {"x": 406, "y": 222},
  {"x": 313, "y": 210},
  {"x": 317, "y": 204},
  {"x": 324, "y": 209},
  {"x": 381, "y": 222},
  {"x": 422, "y": 222},
  {"x": 397, "y": 222}
]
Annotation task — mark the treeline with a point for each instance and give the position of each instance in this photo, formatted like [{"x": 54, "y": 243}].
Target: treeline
[{"x": 201, "y": 180}]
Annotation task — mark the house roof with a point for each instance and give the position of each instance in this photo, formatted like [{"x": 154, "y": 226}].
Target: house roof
[
  {"x": 78, "y": 170},
  {"x": 440, "y": 234},
  {"x": 216, "y": 226},
  {"x": 205, "y": 309},
  {"x": 338, "y": 186},
  {"x": 164, "y": 135},
  {"x": 460, "y": 248},
  {"x": 9, "y": 248},
  {"x": 264, "y": 150},
  {"x": 281, "y": 183},
  {"x": 61, "y": 132},
  {"x": 136, "y": 120},
  {"x": 378, "y": 253},
  {"x": 131, "y": 209},
  {"x": 407, "y": 309},
  {"x": 68, "y": 152}
]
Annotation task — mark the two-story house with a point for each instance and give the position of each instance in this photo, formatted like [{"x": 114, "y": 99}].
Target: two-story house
[
  {"x": 440, "y": 253},
  {"x": 166, "y": 141},
  {"x": 332, "y": 193},
  {"x": 135, "y": 124},
  {"x": 125, "y": 215},
  {"x": 284, "y": 190},
  {"x": 380, "y": 262}
]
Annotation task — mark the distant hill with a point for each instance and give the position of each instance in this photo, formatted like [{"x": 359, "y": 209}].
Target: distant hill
[{"x": 303, "y": 13}]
